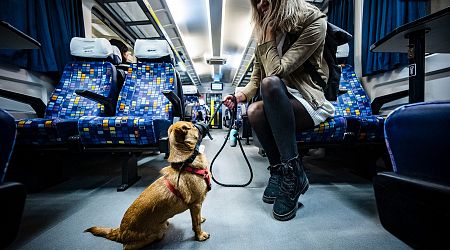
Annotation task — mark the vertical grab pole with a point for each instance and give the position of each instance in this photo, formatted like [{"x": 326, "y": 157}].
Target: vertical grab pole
[{"x": 416, "y": 57}]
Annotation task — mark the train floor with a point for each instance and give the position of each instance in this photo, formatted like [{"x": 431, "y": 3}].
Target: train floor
[{"x": 337, "y": 212}]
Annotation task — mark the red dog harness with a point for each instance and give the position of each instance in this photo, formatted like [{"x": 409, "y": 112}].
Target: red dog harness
[{"x": 202, "y": 172}]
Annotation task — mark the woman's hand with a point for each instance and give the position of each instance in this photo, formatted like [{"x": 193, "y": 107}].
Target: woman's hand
[
  {"x": 269, "y": 35},
  {"x": 228, "y": 100}
]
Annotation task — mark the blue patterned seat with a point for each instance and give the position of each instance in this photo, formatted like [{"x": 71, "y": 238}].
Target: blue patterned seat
[
  {"x": 65, "y": 107},
  {"x": 190, "y": 99},
  {"x": 12, "y": 194},
  {"x": 332, "y": 130},
  {"x": 365, "y": 125},
  {"x": 190, "y": 108},
  {"x": 143, "y": 113},
  {"x": 353, "y": 115}
]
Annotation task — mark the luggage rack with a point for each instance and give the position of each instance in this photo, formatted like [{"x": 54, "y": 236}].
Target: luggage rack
[
  {"x": 243, "y": 73},
  {"x": 140, "y": 20}
]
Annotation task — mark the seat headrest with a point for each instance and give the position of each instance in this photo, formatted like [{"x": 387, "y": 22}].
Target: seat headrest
[
  {"x": 343, "y": 51},
  {"x": 117, "y": 56},
  {"x": 153, "y": 50},
  {"x": 90, "y": 47}
]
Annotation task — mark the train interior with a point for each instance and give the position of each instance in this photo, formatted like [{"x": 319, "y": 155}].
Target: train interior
[{"x": 91, "y": 89}]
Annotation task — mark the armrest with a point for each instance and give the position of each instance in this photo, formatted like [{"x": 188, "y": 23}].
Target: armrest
[
  {"x": 378, "y": 102},
  {"x": 36, "y": 103},
  {"x": 105, "y": 101},
  {"x": 13, "y": 196},
  {"x": 342, "y": 91},
  {"x": 176, "y": 102}
]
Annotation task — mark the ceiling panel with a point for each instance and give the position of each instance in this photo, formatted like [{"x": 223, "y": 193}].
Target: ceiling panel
[
  {"x": 171, "y": 32},
  {"x": 162, "y": 12},
  {"x": 147, "y": 31},
  {"x": 163, "y": 16},
  {"x": 191, "y": 17},
  {"x": 236, "y": 34}
]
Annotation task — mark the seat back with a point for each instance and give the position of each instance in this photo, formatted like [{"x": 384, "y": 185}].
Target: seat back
[
  {"x": 417, "y": 137},
  {"x": 92, "y": 70},
  {"x": 141, "y": 94},
  {"x": 354, "y": 102},
  {"x": 190, "y": 106},
  {"x": 7, "y": 138},
  {"x": 352, "y": 114},
  {"x": 191, "y": 99},
  {"x": 12, "y": 194}
]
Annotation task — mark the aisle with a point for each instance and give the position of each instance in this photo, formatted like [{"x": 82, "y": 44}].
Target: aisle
[{"x": 339, "y": 210}]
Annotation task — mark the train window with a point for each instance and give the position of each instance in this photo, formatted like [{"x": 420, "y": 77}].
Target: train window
[
  {"x": 101, "y": 29},
  {"x": 137, "y": 20}
]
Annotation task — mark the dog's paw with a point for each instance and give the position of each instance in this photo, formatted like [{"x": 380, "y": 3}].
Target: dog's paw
[
  {"x": 203, "y": 220},
  {"x": 202, "y": 236}
]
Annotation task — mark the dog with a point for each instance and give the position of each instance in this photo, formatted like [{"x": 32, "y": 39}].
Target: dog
[{"x": 182, "y": 186}]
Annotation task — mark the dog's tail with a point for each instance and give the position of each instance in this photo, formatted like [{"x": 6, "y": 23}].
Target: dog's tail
[{"x": 105, "y": 232}]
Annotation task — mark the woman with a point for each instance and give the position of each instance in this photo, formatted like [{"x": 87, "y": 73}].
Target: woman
[
  {"x": 288, "y": 32},
  {"x": 125, "y": 52}
]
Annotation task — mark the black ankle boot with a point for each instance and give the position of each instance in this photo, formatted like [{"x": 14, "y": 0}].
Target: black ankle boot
[
  {"x": 273, "y": 187},
  {"x": 293, "y": 184}
]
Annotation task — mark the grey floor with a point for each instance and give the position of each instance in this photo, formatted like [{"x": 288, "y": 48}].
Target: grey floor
[{"x": 338, "y": 212}]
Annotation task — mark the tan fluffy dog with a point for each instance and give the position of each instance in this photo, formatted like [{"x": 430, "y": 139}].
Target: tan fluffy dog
[{"x": 146, "y": 219}]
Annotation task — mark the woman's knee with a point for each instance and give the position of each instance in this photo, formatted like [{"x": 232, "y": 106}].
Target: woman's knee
[
  {"x": 255, "y": 112},
  {"x": 272, "y": 86}
]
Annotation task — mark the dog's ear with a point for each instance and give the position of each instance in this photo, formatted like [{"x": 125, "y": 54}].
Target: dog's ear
[
  {"x": 183, "y": 129},
  {"x": 170, "y": 129}
]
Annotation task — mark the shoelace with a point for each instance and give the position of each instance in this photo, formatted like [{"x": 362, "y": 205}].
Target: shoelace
[
  {"x": 275, "y": 169},
  {"x": 288, "y": 184},
  {"x": 275, "y": 175},
  {"x": 274, "y": 180}
]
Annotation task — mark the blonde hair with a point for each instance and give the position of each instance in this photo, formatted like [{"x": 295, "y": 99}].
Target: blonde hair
[{"x": 286, "y": 14}]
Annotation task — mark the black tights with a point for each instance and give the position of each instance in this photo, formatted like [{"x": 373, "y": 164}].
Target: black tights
[{"x": 276, "y": 119}]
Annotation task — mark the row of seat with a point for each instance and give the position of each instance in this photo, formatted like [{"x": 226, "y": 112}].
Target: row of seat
[
  {"x": 91, "y": 70},
  {"x": 140, "y": 113},
  {"x": 143, "y": 114},
  {"x": 12, "y": 194},
  {"x": 194, "y": 110},
  {"x": 354, "y": 120},
  {"x": 413, "y": 199},
  {"x": 89, "y": 110}
]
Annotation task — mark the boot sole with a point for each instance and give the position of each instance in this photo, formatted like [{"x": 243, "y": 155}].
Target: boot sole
[
  {"x": 269, "y": 200},
  {"x": 291, "y": 214}
]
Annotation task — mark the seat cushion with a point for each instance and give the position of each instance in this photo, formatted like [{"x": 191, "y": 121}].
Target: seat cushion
[
  {"x": 121, "y": 130},
  {"x": 41, "y": 131},
  {"x": 38, "y": 131},
  {"x": 366, "y": 128},
  {"x": 332, "y": 130},
  {"x": 7, "y": 140},
  {"x": 372, "y": 128}
]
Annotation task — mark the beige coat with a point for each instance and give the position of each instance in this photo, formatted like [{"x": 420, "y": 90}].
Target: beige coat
[{"x": 309, "y": 45}]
